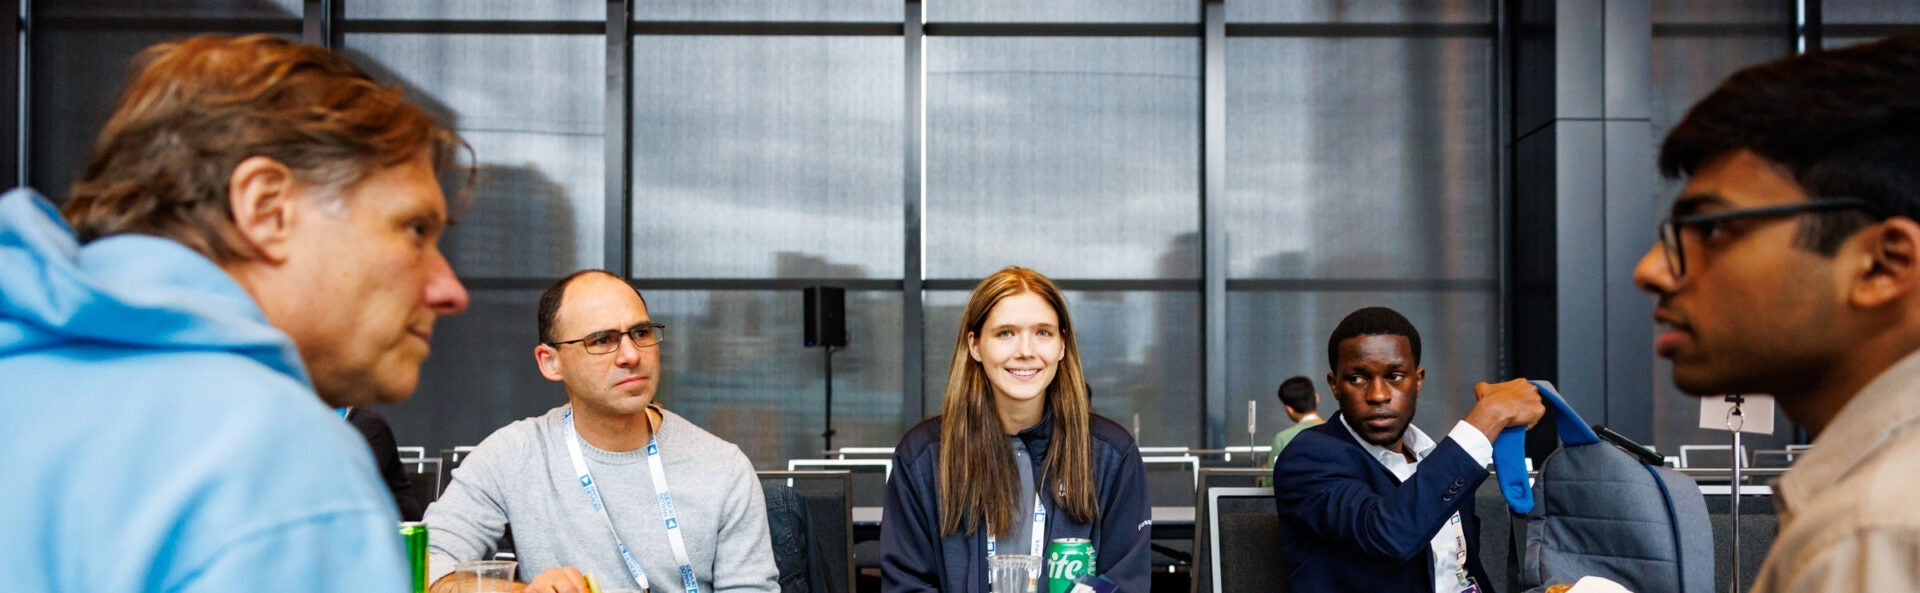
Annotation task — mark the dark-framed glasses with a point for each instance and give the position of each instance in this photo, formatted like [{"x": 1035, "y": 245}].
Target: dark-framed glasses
[
  {"x": 1675, "y": 248},
  {"x": 602, "y": 342}
]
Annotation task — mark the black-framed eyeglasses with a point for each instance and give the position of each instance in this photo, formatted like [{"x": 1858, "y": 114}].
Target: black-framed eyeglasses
[
  {"x": 1675, "y": 248},
  {"x": 602, "y": 342}
]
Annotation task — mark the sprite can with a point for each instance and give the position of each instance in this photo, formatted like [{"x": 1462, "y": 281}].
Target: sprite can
[
  {"x": 1068, "y": 558},
  {"x": 414, "y": 533}
]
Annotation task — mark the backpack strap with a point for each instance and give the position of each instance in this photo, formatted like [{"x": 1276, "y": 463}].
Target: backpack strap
[
  {"x": 1673, "y": 519},
  {"x": 1510, "y": 448}
]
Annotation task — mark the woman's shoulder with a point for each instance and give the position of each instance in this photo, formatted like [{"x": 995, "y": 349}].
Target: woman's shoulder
[
  {"x": 921, "y": 441},
  {"x": 1108, "y": 434}
]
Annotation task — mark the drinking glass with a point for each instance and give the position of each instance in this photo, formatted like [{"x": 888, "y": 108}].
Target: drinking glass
[
  {"x": 484, "y": 576},
  {"x": 1013, "y": 573}
]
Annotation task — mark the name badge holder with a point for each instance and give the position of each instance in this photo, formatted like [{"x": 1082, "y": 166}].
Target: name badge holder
[
  {"x": 667, "y": 513},
  {"x": 1036, "y": 541}
]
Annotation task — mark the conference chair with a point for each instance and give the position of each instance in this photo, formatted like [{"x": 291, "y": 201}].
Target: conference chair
[
  {"x": 1212, "y": 478},
  {"x": 1711, "y": 456},
  {"x": 1172, "y": 480},
  {"x": 1244, "y": 541},
  {"x": 869, "y": 476},
  {"x": 423, "y": 472},
  {"x": 869, "y": 495},
  {"x": 828, "y": 514}
]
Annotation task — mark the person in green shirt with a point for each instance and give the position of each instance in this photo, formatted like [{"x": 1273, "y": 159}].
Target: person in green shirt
[{"x": 1303, "y": 407}]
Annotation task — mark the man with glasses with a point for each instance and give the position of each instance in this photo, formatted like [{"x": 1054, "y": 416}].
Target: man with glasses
[
  {"x": 611, "y": 484},
  {"x": 1791, "y": 266}
]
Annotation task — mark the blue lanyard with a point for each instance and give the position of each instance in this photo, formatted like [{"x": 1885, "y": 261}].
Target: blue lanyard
[{"x": 667, "y": 513}]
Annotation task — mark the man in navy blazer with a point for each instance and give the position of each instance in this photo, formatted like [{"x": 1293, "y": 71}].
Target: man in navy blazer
[{"x": 1367, "y": 501}]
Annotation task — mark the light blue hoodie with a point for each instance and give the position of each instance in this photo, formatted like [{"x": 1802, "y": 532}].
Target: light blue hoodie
[{"x": 157, "y": 434}]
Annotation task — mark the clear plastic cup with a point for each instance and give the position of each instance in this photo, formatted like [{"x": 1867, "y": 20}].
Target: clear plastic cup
[
  {"x": 1013, "y": 573},
  {"x": 484, "y": 576}
]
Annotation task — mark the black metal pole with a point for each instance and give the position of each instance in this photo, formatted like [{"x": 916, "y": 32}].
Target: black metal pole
[
  {"x": 827, "y": 434},
  {"x": 1735, "y": 421}
]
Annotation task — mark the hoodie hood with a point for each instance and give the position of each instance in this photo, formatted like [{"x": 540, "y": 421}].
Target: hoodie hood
[{"x": 134, "y": 291}]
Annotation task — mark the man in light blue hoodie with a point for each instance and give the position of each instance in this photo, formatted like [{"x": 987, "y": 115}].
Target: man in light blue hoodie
[{"x": 258, "y": 227}]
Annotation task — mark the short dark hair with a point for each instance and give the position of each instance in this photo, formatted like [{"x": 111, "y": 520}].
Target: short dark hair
[
  {"x": 1844, "y": 122},
  {"x": 1297, "y": 393},
  {"x": 550, "y": 300},
  {"x": 1372, "y": 321}
]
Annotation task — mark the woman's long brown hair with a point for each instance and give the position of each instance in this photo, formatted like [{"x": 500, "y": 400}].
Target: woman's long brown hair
[{"x": 977, "y": 479}]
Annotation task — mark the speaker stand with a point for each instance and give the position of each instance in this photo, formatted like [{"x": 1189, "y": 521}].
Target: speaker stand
[
  {"x": 827, "y": 434},
  {"x": 1735, "y": 420}
]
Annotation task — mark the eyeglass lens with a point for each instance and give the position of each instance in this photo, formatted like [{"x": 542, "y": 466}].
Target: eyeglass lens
[
  {"x": 1670, "y": 243},
  {"x": 607, "y": 341}
]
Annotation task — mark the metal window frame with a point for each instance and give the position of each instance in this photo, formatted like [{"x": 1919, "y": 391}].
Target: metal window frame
[
  {"x": 173, "y": 24},
  {"x": 323, "y": 22},
  {"x": 13, "y": 105},
  {"x": 913, "y": 322},
  {"x": 1495, "y": 30},
  {"x": 1213, "y": 236},
  {"x": 1212, "y": 287},
  {"x": 618, "y": 196}
]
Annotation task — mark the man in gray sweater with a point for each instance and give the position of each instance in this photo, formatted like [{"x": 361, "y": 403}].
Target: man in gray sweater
[{"x": 682, "y": 508}]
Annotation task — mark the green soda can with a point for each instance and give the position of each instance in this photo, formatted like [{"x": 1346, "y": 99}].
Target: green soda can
[
  {"x": 414, "y": 533},
  {"x": 1068, "y": 558}
]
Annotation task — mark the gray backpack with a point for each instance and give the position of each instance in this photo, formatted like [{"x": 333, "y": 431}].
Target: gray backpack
[{"x": 1604, "y": 512}]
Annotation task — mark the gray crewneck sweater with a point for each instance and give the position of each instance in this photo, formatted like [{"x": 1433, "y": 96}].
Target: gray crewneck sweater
[{"x": 522, "y": 474}]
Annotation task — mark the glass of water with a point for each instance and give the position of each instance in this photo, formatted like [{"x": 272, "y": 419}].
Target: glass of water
[
  {"x": 1013, "y": 574},
  {"x": 484, "y": 576}
]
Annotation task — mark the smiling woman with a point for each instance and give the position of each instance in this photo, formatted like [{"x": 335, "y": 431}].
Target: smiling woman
[
  {"x": 1005, "y": 361},
  {"x": 1016, "y": 393}
]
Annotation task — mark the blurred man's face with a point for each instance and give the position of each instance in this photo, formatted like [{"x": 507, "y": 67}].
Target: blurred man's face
[
  {"x": 374, "y": 282},
  {"x": 1754, "y": 312}
]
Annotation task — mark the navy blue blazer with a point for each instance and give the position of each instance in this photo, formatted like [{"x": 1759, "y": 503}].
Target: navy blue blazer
[{"x": 1346, "y": 524}]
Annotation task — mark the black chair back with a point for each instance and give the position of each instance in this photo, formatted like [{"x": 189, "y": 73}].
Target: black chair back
[
  {"x": 1210, "y": 478},
  {"x": 424, "y": 475},
  {"x": 869, "y": 476},
  {"x": 1244, "y": 541},
  {"x": 1496, "y": 535},
  {"x": 793, "y": 545},
  {"x": 1172, "y": 480},
  {"x": 826, "y": 496}
]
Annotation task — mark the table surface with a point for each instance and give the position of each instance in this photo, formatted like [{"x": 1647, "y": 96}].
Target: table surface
[
  {"x": 870, "y": 516},
  {"x": 1745, "y": 490},
  {"x": 1745, "y": 471}
]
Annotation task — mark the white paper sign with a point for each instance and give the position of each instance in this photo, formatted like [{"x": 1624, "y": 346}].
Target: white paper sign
[{"x": 1756, "y": 414}]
